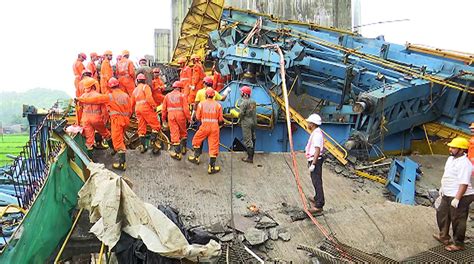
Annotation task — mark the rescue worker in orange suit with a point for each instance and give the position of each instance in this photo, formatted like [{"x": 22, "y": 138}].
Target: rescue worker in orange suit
[
  {"x": 106, "y": 72},
  {"x": 126, "y": 73},
  {"x": 218, "y": 81},
  {"x": 209, "y": 113},
  {"x": 145, "y": 107},
  {"x": 85, "y": 74},
  {"x": 196, "y": 78},
  {"x": 91, "y": 66},
  {"x": 470, "y": 151},
  {"x": 120, "y": 110},
  {"x": 77, "y": 68},
  {"x": 176, "y": 111},
  {"x": 157, "y": 87},
  {"x": 185, "y": 75},
  {"x": 92, "y": 115}
]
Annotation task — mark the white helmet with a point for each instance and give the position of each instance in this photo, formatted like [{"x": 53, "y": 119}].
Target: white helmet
[{"x": 315, "y": 119}]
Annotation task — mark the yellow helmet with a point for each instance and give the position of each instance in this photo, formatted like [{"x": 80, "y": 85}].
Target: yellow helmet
[
  {"x": 472, "y": 125},
  {"x": 459, "y": 142}
]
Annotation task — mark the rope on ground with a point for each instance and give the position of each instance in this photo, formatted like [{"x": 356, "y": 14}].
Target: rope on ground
[
  {"x": 63, "y": 246},
  {"x": 293, "y": 155}
]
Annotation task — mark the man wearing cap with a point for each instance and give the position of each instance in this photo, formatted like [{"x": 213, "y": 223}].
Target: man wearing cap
[
  {"x": 145, "y": 106},
  {"x": 145, "y": 69},
  {"x": 176, "y": 112},
  {"x": 456, "y": 195},
  {"x": 120, "y": 110},
  {"x": 248, "y": 122},
  {"x": 106, "y": 72},
  {"x": 92, "y": 67},
  {"x": 126, "y": 73},
  {"x": 313, "y": 151},
  {"x": 197, "y": 78},
  {"x": 77, "y": 68}
]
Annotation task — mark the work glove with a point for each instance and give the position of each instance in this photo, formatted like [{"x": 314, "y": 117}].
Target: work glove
[
  {"x": 311, "y": 168},
  {"x": 455, "y": 203},
  {"x": 226, "y": 91},
  {"x": 192, "y": 87},
  {"x": 441, "y": 193},
  {"x": 165, "y": 126}
]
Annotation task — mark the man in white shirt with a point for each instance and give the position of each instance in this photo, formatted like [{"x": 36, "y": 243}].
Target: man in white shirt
[
  {"x": 313, "y": 152},
  {"x": 457, "y": 194}
]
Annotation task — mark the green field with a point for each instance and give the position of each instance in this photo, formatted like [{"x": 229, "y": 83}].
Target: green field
[{"x": 11, "y": 144}]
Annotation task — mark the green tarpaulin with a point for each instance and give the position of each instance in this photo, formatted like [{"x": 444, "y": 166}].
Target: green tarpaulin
[{"x": 51, "y": 216}]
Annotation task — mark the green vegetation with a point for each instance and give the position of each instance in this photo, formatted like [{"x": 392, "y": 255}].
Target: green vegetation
[
  {"x": 11, "y": 105},
  {"x": 11, "y": 144}
]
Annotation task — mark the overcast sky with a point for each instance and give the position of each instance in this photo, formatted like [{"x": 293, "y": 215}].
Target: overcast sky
[{"x": 40, "y": 40}]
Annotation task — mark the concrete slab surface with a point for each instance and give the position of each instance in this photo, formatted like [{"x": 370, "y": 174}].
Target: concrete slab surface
[{"x": 357, "y": 213}]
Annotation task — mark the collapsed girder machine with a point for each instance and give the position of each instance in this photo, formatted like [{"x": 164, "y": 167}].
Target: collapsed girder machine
[{"x": 371, "y": 93}]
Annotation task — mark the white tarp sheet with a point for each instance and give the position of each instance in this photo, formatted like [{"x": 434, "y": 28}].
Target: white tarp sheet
[{"x": 113, "y": 207}]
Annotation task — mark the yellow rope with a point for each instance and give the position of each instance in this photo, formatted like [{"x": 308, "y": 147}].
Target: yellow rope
[{"x": 68, "y": 236}]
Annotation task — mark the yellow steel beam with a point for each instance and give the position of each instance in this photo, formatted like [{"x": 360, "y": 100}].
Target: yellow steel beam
[
  {"x": 443, "y": 131},
  {"x": 467, "y": 58},
  {"x": 203, "y": 17},
  {"x": 371, "y": 177},
  {"x": 329, "y": 143}
]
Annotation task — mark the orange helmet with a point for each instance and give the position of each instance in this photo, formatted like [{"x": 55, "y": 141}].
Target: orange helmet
[
  {"x": 246, "y": 90},
  {"x": 108, "y": 52},
  {"x": 178, "y": 84},
  {"x": 82, "y": 55},
  {"x": 182, "y": 60},
  {"x": 210, "y": 92},
  {"x": 88, "y": 83},
  {"x": 125, "y": 52},
  {"x": 195, "y": 57},
  {"x": 141, "y": 77},
  {"x": 156, "y": 70},
  {"x": 112, "y": 82},
  {"x": 93, "y": 55},
  {"x": 208, "y": 80}
]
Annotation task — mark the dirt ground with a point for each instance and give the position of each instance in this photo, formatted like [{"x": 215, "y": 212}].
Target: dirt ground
[{"x": 357, "y": 213}]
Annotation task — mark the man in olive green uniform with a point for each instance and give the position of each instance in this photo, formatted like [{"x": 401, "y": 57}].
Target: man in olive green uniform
[{"x": 248, "y": 122}]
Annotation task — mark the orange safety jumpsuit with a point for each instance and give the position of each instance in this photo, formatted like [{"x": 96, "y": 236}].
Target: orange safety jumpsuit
[
  {"x": 157, "y": 90},
  {"x": 145, "y": 106},
  {"x": 93, "y": 68},
  {"x": 77, "y": 68},
  {"x": 217, "y": 82},
  {"x": 209, "y": 113},
  {"x": 120, "y": 110},
  {"x": 185, "y": 77},
  {"x": 126, "y": 75},
  {"x": 176, "y": 111},
  {"x": 106, "y": 73},
  {"x": 93, "y": 119},
  {"x": 196, "y": 81}
]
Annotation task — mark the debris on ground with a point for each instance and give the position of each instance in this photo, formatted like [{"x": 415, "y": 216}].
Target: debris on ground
[
  {"x": 266, "y": 222},
  {"x": 255, "y": 236}
]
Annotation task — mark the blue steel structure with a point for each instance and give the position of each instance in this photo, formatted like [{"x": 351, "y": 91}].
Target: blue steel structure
[
  {"x": 373, "y": 94},
  {"x": 401, "y": 180}
]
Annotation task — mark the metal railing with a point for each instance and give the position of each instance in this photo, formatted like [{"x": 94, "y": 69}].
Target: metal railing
[{"x": 30, "y": 168}]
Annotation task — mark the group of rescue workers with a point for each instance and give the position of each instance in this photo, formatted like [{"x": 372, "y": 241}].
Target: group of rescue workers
[{"x": 111, "y": 94}]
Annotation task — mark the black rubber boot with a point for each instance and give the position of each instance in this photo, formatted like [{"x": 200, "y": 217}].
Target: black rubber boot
[
  {"x": 250, "y": 153},
  {"x": 212, "y": 168},
  {"x": 155, "y": 143},
  {"x": 121, "y": 165},
  {"x": 183, "y": 146},
  {"x": 195, "y": 158},
  {"x": 111, "y": 147},
  {"x": 143, "y": 148},
  {"x": 176, "y": 152}
]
